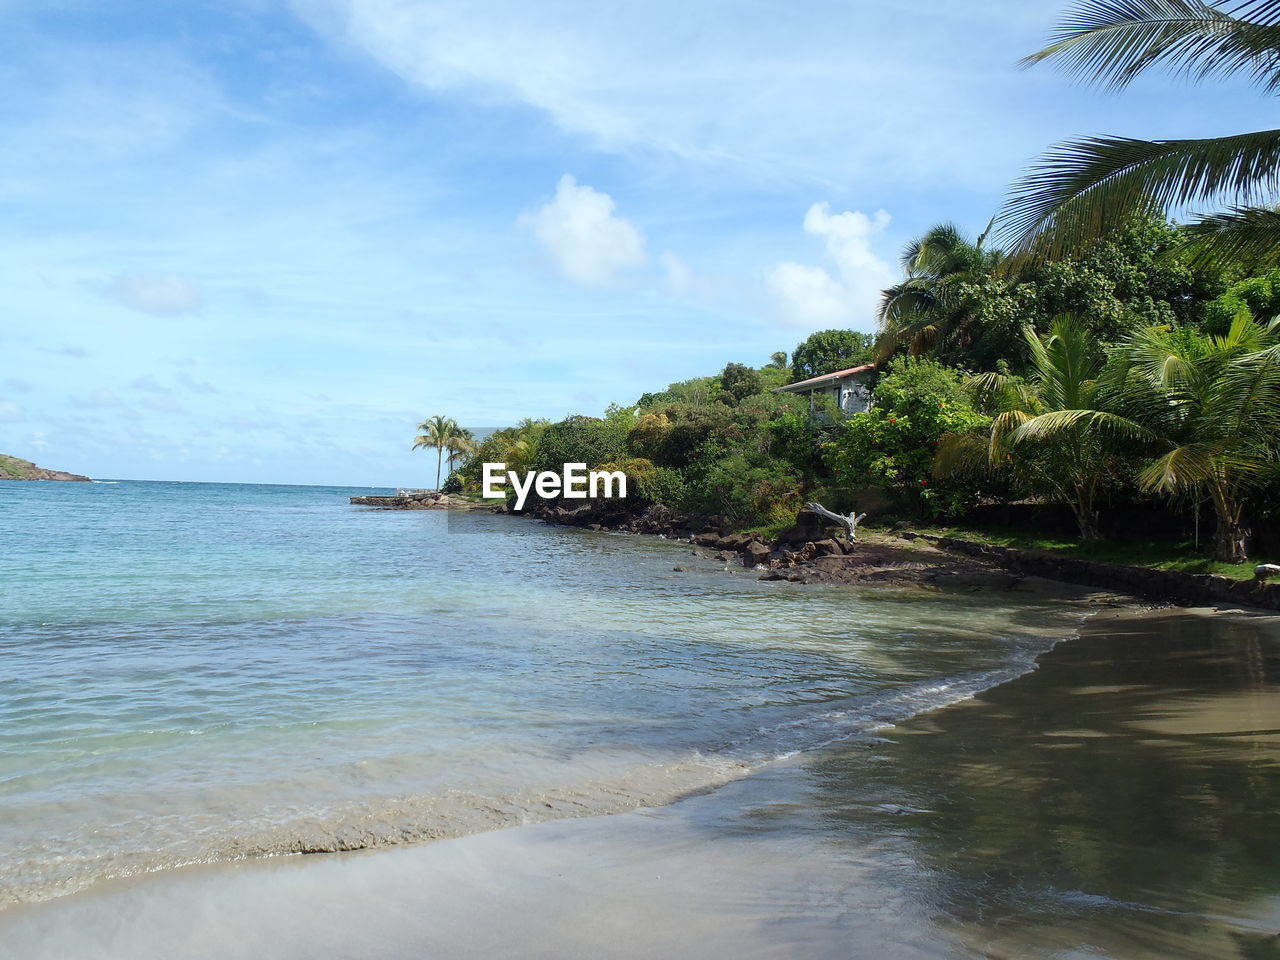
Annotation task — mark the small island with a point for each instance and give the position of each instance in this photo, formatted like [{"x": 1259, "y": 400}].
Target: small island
[{"x": 15, "y": 468}]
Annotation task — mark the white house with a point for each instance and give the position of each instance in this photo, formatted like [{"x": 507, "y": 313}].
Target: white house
[{"x": 849, "y": 389}]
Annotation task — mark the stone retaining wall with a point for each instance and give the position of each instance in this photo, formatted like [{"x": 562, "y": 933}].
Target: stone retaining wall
[{"x": 1188, "y": 589}]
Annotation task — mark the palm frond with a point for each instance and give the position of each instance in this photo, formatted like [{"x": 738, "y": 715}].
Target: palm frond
[
  {"x": 1057, "y": 422},
  {"x": 1112, "y": 41},
  {"x": 1085, "y": 188},
  {"x": 1243, "y": 236}
]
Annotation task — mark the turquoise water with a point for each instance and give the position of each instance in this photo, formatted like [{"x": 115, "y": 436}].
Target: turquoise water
[{"x": 202, "y": 672}]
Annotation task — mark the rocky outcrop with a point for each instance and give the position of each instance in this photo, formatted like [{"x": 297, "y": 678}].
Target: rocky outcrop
[
  {"x": 427, "y": 501},
  {"x": 15, "y": 468}
]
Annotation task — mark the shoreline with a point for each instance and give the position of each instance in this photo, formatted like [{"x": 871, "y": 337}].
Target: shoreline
[
  {"x": 648, "y": 787},
  {"x": 574, "y": 884}
]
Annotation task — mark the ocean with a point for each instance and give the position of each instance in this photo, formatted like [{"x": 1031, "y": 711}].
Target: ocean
[{"x": 198, "y": 673}]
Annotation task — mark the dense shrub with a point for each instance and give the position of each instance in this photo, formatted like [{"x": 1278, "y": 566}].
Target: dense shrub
[
  {"x": 893, "y": 445},
  {"x": 738, "y": 382}
]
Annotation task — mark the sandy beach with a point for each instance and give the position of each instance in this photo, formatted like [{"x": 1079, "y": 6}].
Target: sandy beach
[{"x": 1120, "y": 801}]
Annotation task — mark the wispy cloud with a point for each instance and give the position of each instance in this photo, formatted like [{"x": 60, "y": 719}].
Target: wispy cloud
[{"x": 155, "y": 294}]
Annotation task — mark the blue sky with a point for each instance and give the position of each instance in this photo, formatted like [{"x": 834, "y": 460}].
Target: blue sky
[{"x": 258, "y": 241}]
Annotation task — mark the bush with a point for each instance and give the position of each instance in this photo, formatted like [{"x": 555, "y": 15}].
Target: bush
[
  {"x": 737, "y": 382},
  {"x": 829, "y": 350},
  {"x": 893, "y": 445},
  {"x": 1257, "y": 298},
  {"x": 588, "y": 440}
]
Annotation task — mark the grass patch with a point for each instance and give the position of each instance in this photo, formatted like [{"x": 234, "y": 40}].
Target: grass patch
[{"x": 1181, "y": 557}]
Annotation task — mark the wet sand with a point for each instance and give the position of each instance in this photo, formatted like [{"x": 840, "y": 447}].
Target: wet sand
[{"x": 1121, "y": 801}]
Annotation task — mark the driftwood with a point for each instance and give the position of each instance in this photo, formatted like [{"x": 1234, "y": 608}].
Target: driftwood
[{"x": 850, "y": 523}]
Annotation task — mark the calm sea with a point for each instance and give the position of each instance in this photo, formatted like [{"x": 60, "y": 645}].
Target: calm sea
[{"x": 204, "y": 672}]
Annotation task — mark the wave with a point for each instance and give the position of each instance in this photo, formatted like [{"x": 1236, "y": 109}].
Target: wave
[{"x": 391, "y": 820}]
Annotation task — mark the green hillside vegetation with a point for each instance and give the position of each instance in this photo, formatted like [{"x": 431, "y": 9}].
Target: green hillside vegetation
[
  {"x": 1085, "y": 374},
  {"x": 1124, "y": 395},
  {"x": 15, "y": 468}
]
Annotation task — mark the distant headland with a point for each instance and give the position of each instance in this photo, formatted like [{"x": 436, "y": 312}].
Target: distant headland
[{"x": 15, "y": 468}]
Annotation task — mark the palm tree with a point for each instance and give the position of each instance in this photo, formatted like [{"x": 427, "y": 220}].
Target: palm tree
[
  {"x": 1216, "y": 403},
  {"x": 778, "y": 360},
  {"x": 1055, "y": 432},
  {"x": 932, "y": 307},
  {"x": 461, "y": 446},
  {"x": 438, "y": 432},
  {"x": 1087, "y": 187}
]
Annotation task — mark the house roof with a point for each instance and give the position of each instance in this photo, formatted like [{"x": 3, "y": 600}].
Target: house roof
[{"x": 825, "y": 380}]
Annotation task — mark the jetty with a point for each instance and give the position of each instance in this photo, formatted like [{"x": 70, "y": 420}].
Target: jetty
[{"x": 428, "y": 500}]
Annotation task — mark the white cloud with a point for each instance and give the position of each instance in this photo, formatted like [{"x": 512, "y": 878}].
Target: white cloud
[
  {"x": 810, "y": 296},
  {"x": 11, "y": 412},
  {"x": 158, "y": 295},
  {"x": 586, "y": 240}
]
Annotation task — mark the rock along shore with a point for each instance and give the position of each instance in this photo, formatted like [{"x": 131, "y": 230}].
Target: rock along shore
[
  {"x": 431, "y": 500},
  {"x": 812, "y": 552}
]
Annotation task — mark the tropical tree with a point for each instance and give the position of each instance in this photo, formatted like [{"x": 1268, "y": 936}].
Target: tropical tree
[
  {"x": 1055, "y": 433},
  {"x": 1215, "y": 401},
  {"x": 737, "y": 382},
  {"x": 438, "y": 432},
  {"x": 460, "y": 447},
  {"x": 1084, "y": 188},
  {"x": 935, "y": 305},
  {"x": 778, "y": 360},
  {"x": 829, "y": 350}
]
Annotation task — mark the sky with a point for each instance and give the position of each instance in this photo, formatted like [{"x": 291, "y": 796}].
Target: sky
[{"x": 257, "y": 241}]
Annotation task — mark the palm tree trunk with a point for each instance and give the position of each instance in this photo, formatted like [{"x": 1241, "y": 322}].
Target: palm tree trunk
[
  {"x": 1231, "y": 538},
  {"x": 439, "y": 459},
  {"x": 1086, "y": 515}
]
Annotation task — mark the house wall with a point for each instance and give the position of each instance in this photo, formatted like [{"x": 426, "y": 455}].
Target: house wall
[{"x": 855, "y": 396}]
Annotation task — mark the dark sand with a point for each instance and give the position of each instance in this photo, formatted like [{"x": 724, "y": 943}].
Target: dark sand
[{"x": 1121, "y": 801}]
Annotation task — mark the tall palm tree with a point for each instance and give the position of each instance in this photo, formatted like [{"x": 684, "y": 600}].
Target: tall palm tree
[
  {"x": 1216, "y": 403},
  {"x": 1056, "y": 432},
  {"x": 1084, "y": 188},
  {"x": 932, "y": 307},
  {"x": 438, "y": 432}
]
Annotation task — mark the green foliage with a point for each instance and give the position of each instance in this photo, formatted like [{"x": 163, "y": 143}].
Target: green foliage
[
  {"x": 1054, "y": 434},
  {"x": 580, "y": 439},
  {"x": 737, "y": 382},
  {"x": 893, "y": 444},
  {"x": 1086, "y": 188},
  {"x": 1255, "y": 298},
  {"x": 698, "y": 391},
  {"x": 967, "y": 307},
  {"x": 829, "y": 350},
  {"x": 516, "y": 446}
]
